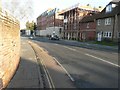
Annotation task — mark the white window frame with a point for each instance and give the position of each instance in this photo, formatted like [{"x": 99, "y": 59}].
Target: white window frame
[
  {"x": 65, "y": 26},
  {"x": 98, "y": 22},
  {"x": 109, "y": 8},
  {"x": 88, "y": 25},
  {"x": 107, "y": 34},
  {"x": 114, "y": 5},
  {"x": 108, "y": 21}
]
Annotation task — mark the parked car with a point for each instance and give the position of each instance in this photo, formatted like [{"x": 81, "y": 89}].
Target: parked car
[
  {"x": 54, "y": 37},
  {"x": 30, "y": 37}
]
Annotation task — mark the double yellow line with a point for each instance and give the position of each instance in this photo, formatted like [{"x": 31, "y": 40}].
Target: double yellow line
[
  {"x": 50, "y": 81},
  {"x": 47, "y": 74}
]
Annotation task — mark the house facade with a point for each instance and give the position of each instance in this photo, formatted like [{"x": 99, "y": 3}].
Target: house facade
[
  {"x": 108, "y": 22},
  {"x": 87, "y": 30},
  {"x": 119, "y": 26},
  {"x": 72, "y": 17}
]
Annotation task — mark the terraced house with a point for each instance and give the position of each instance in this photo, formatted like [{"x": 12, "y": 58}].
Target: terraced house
[
  {"x": 72, "y": 17},
  {"x": 108, "y": 22},
  {"x": 87, "y": 28}
]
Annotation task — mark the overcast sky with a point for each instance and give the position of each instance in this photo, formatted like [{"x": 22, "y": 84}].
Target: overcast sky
[{"x": 40, "y": 6}]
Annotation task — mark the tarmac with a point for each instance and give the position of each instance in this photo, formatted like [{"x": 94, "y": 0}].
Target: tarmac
[{"x": 28, "y": 73}]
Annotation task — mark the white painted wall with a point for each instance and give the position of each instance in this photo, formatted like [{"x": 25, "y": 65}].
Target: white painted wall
[
  {"x": 49, "y": 31},
  {"x": 28, "y": 32}
]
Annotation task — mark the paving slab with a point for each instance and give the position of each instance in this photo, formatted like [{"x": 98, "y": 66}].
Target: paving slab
[{"x": 27, "y": 74}]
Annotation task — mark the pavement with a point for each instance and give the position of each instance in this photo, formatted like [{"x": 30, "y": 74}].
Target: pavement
[{"x": 28, "y": 73}]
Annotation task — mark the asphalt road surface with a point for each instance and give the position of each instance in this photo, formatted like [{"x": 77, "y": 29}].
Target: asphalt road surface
[{"x": 90, "y": 68}]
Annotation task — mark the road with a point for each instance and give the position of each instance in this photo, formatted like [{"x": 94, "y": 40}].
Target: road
[{"x": 90, "y": 68}]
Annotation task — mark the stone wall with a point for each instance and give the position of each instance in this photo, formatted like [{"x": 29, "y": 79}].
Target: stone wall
[{"x": 9, "y": 47}]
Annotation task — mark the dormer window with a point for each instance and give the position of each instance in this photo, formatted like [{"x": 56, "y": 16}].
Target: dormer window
[
  {"x": 108, "y": 8},
  {"x": 113, "y": 5}
]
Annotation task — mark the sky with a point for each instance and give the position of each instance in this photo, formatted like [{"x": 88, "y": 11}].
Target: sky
[{"x": 39, "y": 6}]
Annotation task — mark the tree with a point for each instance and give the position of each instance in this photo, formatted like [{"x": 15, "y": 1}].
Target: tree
[
  {"x": 100, "y": 6},
  {"x": 88, "y": 4},
  {"x": 30, "y": 25},
  {"x": 35, "y": 26},
  {"x": 21, "y": 9}
]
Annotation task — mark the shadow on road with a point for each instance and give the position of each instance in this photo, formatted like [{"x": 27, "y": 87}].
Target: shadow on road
[{"x": 27, "y": 76}]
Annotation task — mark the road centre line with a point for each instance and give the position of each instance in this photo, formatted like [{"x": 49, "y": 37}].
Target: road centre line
[
  {"x": 93, "y": 56},
  {"x": 102, "y": 60},
  {"x": 70, "y": 48}
]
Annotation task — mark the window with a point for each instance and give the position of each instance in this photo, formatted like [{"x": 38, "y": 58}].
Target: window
[
  {"x": 65, "y": 26},
  {"x": 65, "y": 20},
  {"x": 74, "y": 26},
  {"x": 108, "y": 8},
  {"x": 98, "y": 22},
  {"x": 108, "y": 34},
  {"x": 87, "y": 25},
  {"x": 119, "y": 35},
  {"x": 113, "y": 5},
  {"x": 108, "y": 21}
]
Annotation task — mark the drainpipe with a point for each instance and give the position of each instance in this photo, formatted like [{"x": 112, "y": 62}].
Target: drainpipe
[
  {"x": 54, "y": 24},
  {"x": 114, "y": 26}
]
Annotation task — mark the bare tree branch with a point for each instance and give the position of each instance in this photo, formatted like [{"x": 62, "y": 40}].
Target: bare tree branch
[{"x": 21, "y": 9}]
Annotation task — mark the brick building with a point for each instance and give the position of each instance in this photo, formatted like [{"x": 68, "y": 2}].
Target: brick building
[
  {"x": 72, "y": 17},
  {"x": 50, "y": 18},
  {"x": 87, "y": 28},
  {"x": 41, "y": 21},
  {"x": 9, "y": 47}
]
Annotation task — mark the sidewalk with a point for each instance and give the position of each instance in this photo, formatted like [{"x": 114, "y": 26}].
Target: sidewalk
[{"x": 28, "y": 74}]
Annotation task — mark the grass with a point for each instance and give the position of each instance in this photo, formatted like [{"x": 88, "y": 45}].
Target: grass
[{"x": 105, "y": 43}]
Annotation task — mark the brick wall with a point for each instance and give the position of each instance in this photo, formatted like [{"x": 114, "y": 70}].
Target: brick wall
[{"x": 9, "y": 47}]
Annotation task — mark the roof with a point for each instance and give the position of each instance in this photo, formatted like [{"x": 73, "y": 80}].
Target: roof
[
  {"x": 87, "y": 7},
  {"x": 115, "y": 1},
  {"x": 115, "y": 11},
  {"x": 89, "y": 18}
]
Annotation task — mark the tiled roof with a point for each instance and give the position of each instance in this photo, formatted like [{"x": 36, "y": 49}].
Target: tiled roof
[
  {"x": 115, "y": 1},
  {"x": 115, "y": 11},
  {"x": 89, "y": 18},
  {"x": 102, "y": 14},
  {"x": 81, "y": 7}
]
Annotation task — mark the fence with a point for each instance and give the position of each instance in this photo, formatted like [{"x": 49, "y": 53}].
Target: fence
[{"x": 9, "y": 47}]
